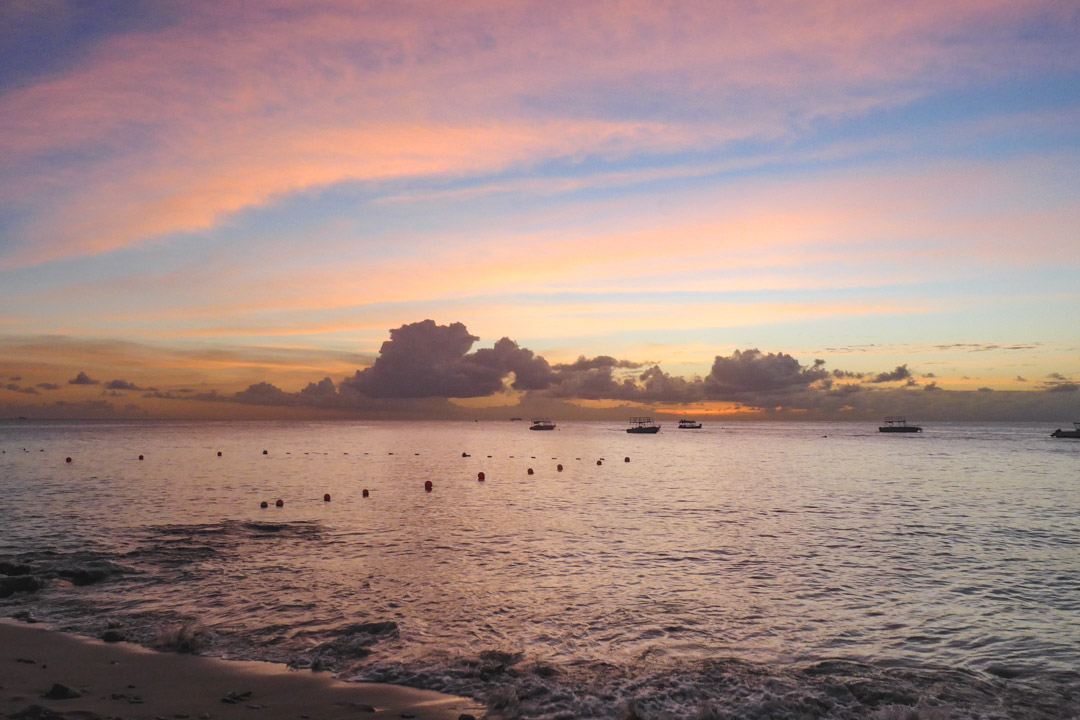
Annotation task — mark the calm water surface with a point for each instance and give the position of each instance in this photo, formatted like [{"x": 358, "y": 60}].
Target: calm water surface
[{"x": 764, "y": 568}]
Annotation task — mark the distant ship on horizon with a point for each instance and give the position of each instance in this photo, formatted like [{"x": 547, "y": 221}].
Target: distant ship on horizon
[{"x": 898, "y": 424}]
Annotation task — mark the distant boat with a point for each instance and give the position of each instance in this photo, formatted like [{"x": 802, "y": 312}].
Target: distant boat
[
  {"x": 542, "y": 425},
  {"x": 689, "y": 425},
  {"x": 514, "y": 419},
  {"x": 898, "y": 424},
  {"x": 643, "y": 426},
  {"x": 1074, "y": 433}
]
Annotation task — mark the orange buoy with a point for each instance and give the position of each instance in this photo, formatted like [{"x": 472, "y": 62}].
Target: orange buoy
[
  {"x": 559, "y": 468},
  {"x": 480, "y": 476},
  {"x": 68, "y": 460},
  {"x": 599, "y": 462},
  {"x": 626, "y": 459},
  {"x": 326, "y": 497},
  {"x": 530, "y": 471},
  {"x": 365, "y": 493},
  {"x": 428, "y": 486},
  {"x": 219, "y": 453},
  {"x": 140, "y": 457},
  {"x": 280, "y": 503},
  {"x": 263, "y": 505}
]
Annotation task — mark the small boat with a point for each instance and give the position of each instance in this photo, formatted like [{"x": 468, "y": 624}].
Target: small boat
[
  {"x": 514, "y": 419},
  {"x": 542, "y": 425},
  {"x": 898, "y": 424},
  {"x": 689, "y": 425},
  {"x": 643, "y": 426},
  {"x": 1074, "y": 433}
]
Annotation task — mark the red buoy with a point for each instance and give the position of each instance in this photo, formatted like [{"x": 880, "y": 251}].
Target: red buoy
[
  {"x": 219, "y": 453},
  {"x": 266, "y": 452},
  {"x": 599, "y": 462},
  {"x": 280, "y": 503},
  {"x": 530, "y": 471},
  {"x": 68, "y": 460},
  {"x": 365, "y": 493},
  {"x": 428, "y": 486},
  {"x": 140, "y": 457},
  {"x": 263, "y": 505},
  {"x": 626, "y": 459},
  {"x": 480, "y": 476},
  {"x": 326, "y": 497},
  {"x": 559, "y": 468}
]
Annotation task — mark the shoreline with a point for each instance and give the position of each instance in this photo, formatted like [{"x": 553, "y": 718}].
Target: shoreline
[{"x": 129, "y": 682}]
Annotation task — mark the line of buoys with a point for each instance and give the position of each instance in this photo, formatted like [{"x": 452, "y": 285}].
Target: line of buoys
[
  {"x": 326, "y": 497},
  {"x": 67, "y": 460},
  {"x": 530, "y": 471},
  {"x": 280, "y": 503},
  {"x": 364, "y": 493},
  {"x": 480, "y": 476},
  {"x": 428, "y": 485},
  {"x": 264, "y": 505},
  {"x": 559, "y": 468}
]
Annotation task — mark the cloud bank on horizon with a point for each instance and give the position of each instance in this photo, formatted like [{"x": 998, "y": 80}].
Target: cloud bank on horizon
[
  {"x": 259, "y": 191},
  {"x": 426, "y": 370}
]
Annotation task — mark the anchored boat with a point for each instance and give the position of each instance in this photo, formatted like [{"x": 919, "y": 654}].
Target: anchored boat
[
  {"x": 643, "y": 426},
  {"x": 1074, "y": 433},
  {"x": 898, "y": 424},
  {"x": 689, "y": 425},
  {"x": 542, "y": 425}
]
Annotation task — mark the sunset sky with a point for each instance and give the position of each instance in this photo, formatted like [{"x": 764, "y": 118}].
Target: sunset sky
[{"x": 199, "y": 199}]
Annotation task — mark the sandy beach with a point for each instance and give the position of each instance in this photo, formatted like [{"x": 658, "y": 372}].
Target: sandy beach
[{"x": 124, "y": 681}]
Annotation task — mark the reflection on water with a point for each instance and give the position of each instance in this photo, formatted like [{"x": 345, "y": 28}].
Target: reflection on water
[{"x": 762, "y": 543}]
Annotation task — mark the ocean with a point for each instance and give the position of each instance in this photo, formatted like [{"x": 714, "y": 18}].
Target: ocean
[{"x": 743, "y": 570}]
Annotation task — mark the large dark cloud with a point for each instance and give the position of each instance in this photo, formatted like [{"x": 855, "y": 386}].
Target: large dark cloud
[
  {"x": 83, "y": 379},
  {"x": 750, "y": 376},
  {"x": 427, "y": 360}
]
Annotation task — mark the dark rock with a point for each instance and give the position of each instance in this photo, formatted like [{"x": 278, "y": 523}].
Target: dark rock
[
  {"x": 7, "y": 568},
  {"x": 61, "y": 692},
  {"x": 233, "y": 697},
  {"x": 19, "y": 583},
  {"x": 26, "y": 616},
  {"x": 112, "y": 636},
  {"x": 466, "y": 716}
]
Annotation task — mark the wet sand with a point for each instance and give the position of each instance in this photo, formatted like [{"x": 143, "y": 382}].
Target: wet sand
[{"x": 120, "y": 680}]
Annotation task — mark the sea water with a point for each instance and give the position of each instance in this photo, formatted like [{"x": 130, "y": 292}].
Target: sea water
[{"x": 766, "y": 569}]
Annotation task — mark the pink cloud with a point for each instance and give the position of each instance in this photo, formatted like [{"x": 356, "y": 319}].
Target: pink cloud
[{"x": 233, "y": 106}]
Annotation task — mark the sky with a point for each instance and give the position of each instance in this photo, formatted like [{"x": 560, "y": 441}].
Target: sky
[{"x": 820, "y": 209}]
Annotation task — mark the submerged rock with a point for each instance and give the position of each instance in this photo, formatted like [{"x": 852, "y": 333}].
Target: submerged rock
[
  {"x": 19, "y": 583},
  {"x": 60, "y": 691}
]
